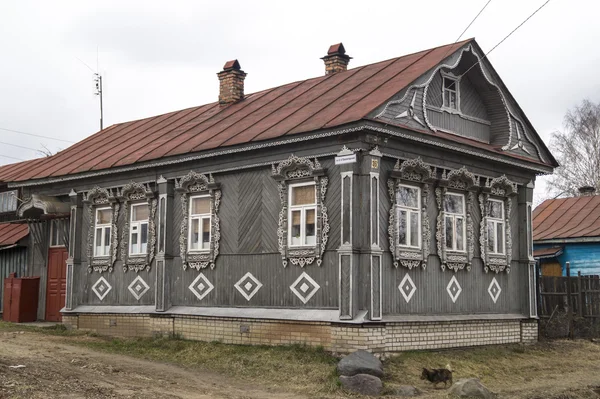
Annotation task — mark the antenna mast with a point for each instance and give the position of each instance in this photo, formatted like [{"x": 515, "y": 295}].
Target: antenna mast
[{"x": 98, "y": 81}]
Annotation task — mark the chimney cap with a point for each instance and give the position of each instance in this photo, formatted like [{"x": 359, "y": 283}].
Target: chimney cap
[
  {"x": 336, "y": 49},
  {"x": 231, "y": 65}
]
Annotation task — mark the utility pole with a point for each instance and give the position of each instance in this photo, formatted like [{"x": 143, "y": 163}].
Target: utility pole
[{"x": 98, "y": 80}]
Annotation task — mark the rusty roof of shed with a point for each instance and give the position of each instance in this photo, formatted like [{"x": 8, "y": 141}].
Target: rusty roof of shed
[
  {"x": 567, "y": 218},
  {"x": 10, "y": 234},
  {"x": 318, "y": 103}
]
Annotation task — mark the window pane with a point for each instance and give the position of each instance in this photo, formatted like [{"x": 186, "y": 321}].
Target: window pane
[
  {"x": 139, "y": 212},
  {"x": 98, "y": 250},
  {"x": 491, "y": 236},
  {"x": 194, "y": 234},
  {"x": 402, "y": 228},
  {"x": 200, "y": 206},
  {"x": 303, "y": 195},
  {"x": 460, "y": 225},
  {"x": 206, "y": 233},
  {"x": 449, "y": 83},
  {"x": 310, "y": 227},
  {"x": 449, "y": 233},
  {"x": 495, "y": 209},
  {"x": 296, "y": 228},
  {"x": 453, "y": 203},
  {"x": 452, "y": 100},
  {"x": 500, "y": 237},
  {"x": 103, "y": 216},
  {"x": 133, "y": 247},
  {"x": 414, "y": 229},
  {"x": 106, "y": 240},
  {"x": 408, "y": 196}
]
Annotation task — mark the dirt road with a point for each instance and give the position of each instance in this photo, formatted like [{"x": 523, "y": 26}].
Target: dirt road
[{"x": 55, "y": 369}]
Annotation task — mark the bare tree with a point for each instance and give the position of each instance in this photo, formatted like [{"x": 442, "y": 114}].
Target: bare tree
[{"x": 577, "y": 149}]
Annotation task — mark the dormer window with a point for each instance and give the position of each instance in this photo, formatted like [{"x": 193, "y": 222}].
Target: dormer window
[{"x": 450, "y": 91}]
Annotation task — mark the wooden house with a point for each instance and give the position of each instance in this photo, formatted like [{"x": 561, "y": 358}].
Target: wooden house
[
  {"x": 568, "y": 230},
  {"x": 385, "y": 207}
]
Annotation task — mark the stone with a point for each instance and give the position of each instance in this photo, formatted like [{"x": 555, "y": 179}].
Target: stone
[
  {"x": 363, "y": 384},
  {"x": 471, "y": 388},
  {"x": 360, "y": 362},
  {"x": 405, "y": 391}
]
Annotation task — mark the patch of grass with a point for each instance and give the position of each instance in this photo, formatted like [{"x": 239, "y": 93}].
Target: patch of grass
[{"x": 57, "y": 329}]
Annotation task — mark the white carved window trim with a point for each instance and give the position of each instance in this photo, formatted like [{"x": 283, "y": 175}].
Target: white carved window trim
[
  {"x": 200, "y": 217},
  {"x": 195, "y": 184},
  {"x": 301, "y": 170},
  {"x": 455, "y": 91},
  {"x": 138, "y": 224},
  {"x": 303, "y": 210},
  {"x": 456, "y": 181},
  {"x": 495, "y": 222},
  {"x": 409, "y": 212},
  {"x": 454, "y": 216},
  {"x": 135, "y": 194},
  {"x": 497, "y": 189},
  {"x": 101, "y": 198},
  {"x": 103, "y": 227},
  {"x": 413, "y": 173}
]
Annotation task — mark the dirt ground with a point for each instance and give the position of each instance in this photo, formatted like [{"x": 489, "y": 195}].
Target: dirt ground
[{"x": 56, "y": 369}]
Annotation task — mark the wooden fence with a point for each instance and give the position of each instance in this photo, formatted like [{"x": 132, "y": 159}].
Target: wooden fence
[{"x": 575, "y": 296}]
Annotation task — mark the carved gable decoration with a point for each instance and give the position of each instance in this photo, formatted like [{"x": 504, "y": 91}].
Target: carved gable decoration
[
  {"x": 459, "y": 181},
  {"x": 97, "y": 198},
  {"x": 500, "y": 189},
  {"x": 195, "y": 183},
  {"x": 138, "y": 193},
  {"x": 416, "y": 173},
  {"x": 292, "y": 170}
]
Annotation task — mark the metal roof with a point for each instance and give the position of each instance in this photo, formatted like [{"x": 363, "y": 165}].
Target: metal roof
[
  {"x": 11, "y": 234},
  {"x": 567, "y": 218}
]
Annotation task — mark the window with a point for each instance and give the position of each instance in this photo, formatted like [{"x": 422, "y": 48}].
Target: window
[
  {"x": 57, "y": 230},
  {"x": 408, "y": 202},
  {"x": 450, "y": 92},
  {"x": 200, "y": 222},
  {"x": 8, "y": 201},
  {"x": 454, "y": 223},
  {"x": 138, "y": 231},
  {"x": 303, "y": 214},
  {"x": 495, "y": 226},
  {"x": 103, "y": 231}
]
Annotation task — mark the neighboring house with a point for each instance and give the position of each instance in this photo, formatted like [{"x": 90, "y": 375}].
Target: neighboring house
[
  {"x": 568, "y": 230},
  {"x": 386, "y": 207}
]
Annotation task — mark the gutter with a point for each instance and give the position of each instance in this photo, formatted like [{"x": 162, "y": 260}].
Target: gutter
[{"x": 567, "y": 240}]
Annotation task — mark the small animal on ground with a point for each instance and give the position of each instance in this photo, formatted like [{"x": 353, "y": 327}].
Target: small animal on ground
[{"x": 436, "y": 376}]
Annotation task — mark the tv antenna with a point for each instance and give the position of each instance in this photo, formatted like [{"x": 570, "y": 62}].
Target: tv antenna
[{"x": 98, "y": 85}]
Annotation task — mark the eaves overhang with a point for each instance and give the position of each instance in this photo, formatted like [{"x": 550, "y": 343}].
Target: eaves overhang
[{"x": 575, "y": 240}]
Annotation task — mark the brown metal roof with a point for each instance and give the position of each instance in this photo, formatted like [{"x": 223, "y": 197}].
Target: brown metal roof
[
  {"x": 547, "y": 252},
  {"x": 299, "y": 107},
  {"x": 10, "y": 234},
  {"x": 574, "y": 217}
]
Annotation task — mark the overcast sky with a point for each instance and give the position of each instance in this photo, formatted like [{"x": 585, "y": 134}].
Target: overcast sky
[{"x": 158, "y": 56}]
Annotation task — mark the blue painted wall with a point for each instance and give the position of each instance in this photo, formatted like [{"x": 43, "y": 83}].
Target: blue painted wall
[{"x": 584, "y": 257}]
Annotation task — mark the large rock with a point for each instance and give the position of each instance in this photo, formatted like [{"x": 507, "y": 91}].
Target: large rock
[
  {"x": 471, "y": 388},
  {"x": 360, "y": 362},
  {"x": 405, "y": 391},
  {"x": 364, "y": 384}
]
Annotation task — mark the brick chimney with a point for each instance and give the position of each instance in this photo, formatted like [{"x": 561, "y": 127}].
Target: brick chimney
[
  {"x": 336, "y": 59},
  {"x": 231, "y": 79}
]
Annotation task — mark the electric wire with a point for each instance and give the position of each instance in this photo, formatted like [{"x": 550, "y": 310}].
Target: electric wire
[
  {"x": 18, "y": 159},
  {"x": 36, "y": 135},
  {"x": 19, "y": 146}
]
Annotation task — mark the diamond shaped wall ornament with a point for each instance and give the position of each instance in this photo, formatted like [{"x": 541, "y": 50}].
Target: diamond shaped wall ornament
[
  {"x": 454, "y": 289},
  {"x": 201, "y": 287},
  {"x": 494, "y": 290},
  {"x": 138, "y": 287},
  {"x": 407, "y": 288},
  {"x": 248, "y": 286},
  {"x": 101, "y": 288},
  {"x": 304, "y": 287}
]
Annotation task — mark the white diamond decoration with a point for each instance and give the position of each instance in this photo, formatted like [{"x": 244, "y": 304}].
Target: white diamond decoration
[
  {"x": 201, "y": 286},
  {"x": 307, "y": 289},
  {"x": 454, "y": 289},
  {"x": 494, "y": 290},
  {"x": 101, "y": 288},
  {"x": 407, "y": 288},
  {"x": 138, "y": 287},
  {"x": 250, "y": 286}
]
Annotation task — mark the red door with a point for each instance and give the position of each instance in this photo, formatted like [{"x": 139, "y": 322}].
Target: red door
[{"x": 57, "y": 283}]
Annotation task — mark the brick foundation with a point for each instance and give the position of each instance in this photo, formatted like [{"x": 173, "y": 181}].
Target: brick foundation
[{"x": 381, "y": 337}]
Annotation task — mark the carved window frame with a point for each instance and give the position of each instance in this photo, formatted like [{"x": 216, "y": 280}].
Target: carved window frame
[
  {"x": 415, "y": 173},
  {"x": 298, "y": 170},
  {"x": 194, "y": 184},
  {"x": 101, "y": 198},
  {"x": 459, "y": 181},
  {"x": 501, "y": 189},
  {"x": 137, "y": 193}
]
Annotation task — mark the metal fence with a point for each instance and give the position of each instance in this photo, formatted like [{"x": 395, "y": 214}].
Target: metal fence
[{"x": 12, "y": 260}]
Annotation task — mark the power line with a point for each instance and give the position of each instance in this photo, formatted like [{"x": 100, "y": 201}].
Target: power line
[
  {"x": 36, "y": 135},
  {"x": 18, "y": 159},
  {"x": 471, "y": 23},
  {"x": 19, "y": 146}
]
